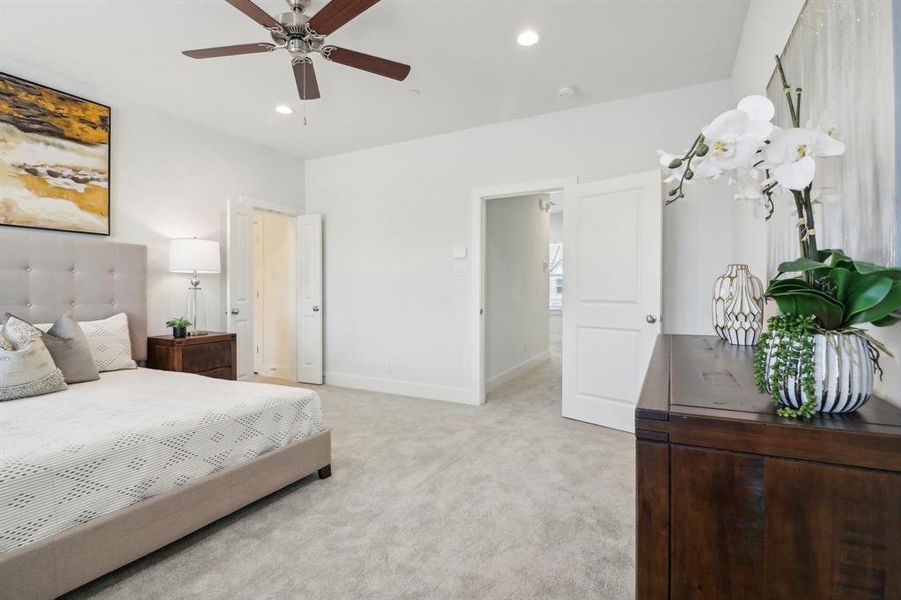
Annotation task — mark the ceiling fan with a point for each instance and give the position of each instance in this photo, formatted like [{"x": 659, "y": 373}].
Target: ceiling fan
[{"x": 301, "y": 35}]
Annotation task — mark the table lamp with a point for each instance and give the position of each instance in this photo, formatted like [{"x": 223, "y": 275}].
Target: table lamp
[{"x": 194, "y": 256}]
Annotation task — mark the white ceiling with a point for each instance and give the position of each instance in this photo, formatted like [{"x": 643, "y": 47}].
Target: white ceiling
[{"x": 466, "y": 63}]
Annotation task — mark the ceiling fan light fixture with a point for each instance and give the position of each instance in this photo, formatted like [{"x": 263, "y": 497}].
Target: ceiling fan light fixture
[
  {"x": 527, "y": 37},
  {"x": 299, "y": 35},
  {"x": 284, "y": 109}
]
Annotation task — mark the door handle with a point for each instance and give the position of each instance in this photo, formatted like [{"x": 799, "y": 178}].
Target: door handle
[
  {"x": 650, "y": 319},
  {"x": 315, "y": 309},
  {"x": 235, "y": 311}
]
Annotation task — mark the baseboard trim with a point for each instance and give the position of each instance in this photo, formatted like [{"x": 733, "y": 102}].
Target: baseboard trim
[
  {"x": 401, "y": 388},
  {"x": 517, "y": 371}
]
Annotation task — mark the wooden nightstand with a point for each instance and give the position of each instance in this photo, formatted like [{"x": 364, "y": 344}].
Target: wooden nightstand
[{"x": 212, "y": 355}]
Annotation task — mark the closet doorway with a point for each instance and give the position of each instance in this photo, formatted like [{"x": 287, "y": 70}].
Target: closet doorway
[
  {"x": 274, "y": 290},
  {"x": 274, "y": 295}
]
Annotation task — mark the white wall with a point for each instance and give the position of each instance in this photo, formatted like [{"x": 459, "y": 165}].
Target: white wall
[
  {"x": 392, "y": 214},
  {"x": 768, "y": 25},
  {"x": 172, "y": 178},
  {"x": 698, "y": 243},
  {"x": 516, "y": 332},
  {"x": 279, "y": 291}
]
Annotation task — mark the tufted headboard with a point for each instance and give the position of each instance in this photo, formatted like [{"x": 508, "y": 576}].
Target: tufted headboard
[{"x": 44, "y": 276}]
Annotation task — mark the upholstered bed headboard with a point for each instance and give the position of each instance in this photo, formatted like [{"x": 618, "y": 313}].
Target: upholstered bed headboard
[{"x": 44, "y": 276}]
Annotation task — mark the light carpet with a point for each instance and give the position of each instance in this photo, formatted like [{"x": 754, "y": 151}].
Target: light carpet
[{"x": 428, "y": 500}]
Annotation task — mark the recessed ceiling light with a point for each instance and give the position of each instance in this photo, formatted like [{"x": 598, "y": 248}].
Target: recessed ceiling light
[
  {"x": 527, "y": 38},
  {"x": 284, "y": 109}
]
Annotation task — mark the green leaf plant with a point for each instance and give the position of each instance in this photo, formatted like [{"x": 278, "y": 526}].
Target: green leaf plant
[
  {"x": 178, "y": 322},
  {"x": 834, "y": 294}
]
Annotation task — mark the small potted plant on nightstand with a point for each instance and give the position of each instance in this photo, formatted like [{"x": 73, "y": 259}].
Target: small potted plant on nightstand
[{"x": 179, "y": 327}]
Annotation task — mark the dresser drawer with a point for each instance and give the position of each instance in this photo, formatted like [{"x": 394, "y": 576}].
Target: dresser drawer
[{"x": 206, "y": 357}]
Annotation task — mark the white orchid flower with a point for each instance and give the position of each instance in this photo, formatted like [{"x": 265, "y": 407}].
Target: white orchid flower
[
  {"x": 735, "y": 136},
  {"x": 760, "y": 111},
  {"x": 791, "y": 155}
]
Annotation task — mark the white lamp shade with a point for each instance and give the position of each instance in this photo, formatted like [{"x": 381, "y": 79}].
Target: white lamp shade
[{"x": 187, "y": 255}]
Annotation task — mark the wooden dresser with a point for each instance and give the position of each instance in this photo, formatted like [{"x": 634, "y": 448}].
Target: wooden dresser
[
  {"x": 213, "y": 354},
  {"x": 733, "y": 502}
]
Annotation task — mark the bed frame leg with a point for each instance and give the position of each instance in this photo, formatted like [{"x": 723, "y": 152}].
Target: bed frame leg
[{"x": 325, "y": 472}]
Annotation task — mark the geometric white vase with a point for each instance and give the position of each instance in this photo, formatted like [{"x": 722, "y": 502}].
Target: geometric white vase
[{"x": 738, "y": 306}]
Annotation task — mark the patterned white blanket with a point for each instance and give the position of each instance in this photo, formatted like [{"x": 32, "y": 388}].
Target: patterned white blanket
[{"x": 100, "y": 446}]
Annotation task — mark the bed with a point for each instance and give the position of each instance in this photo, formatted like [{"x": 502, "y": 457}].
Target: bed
[{"x": 98, "y": 475}]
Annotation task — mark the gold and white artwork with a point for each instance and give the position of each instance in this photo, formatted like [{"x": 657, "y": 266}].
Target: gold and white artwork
[{"x": 54, "y": 159}]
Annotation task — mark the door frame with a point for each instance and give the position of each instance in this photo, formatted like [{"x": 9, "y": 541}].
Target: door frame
[
  {"x": 290, "y": 211},
  {"x": 480, "y": 196}
]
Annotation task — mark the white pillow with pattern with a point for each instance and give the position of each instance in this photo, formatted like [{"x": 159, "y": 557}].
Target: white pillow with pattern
[
  {"x": 109, "y": 341},
  {"x": 26, "y": 367}
]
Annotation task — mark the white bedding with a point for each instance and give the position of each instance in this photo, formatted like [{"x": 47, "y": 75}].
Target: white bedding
[{"x": 100, "y": 446}]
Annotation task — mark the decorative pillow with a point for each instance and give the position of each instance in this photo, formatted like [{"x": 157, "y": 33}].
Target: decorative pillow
[
  {"x": 109, "y": 342},
  {"x": 68, "y": 347},
  {"x": 26, "y": 370}
]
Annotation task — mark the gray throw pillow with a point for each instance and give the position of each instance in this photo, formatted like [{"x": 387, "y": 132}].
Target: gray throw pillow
[
  {"x": 27, "y": 369},
  {"x": 70, "y": 350}
]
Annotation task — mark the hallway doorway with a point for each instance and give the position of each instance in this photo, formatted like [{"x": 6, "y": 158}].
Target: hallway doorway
[{"x": 517, "y": 289}]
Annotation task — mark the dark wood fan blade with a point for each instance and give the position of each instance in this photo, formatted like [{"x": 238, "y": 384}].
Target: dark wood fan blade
[
  {"x": 257, "y": 14},
  {"x": 305, "y": 76},
  {"x": 367, "y": 62},
  {"x": 336, "y": 14},
  {"x": 229, "y": 50}
]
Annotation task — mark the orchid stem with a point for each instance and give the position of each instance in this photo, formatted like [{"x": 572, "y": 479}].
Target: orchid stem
[
  {"x": 788, "y": 93},
  {"x": 812, "y": 251}
]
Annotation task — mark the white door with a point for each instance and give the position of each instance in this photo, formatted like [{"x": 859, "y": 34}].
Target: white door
[
  {"x": 309, "y": 264},
  {"x": 611, "y": 295},
  {"x": 239, "y": 302}
]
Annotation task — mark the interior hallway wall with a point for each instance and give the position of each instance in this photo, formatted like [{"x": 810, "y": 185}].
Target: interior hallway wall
[
  {"x": 516, "y": 242},
  {"x": 394, "y": 213}
]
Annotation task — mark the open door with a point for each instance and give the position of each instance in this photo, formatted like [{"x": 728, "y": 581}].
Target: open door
[
  {"x": 309, "y": 264},
  {"x": 239, "y": 297},
  {"x": 611, "y": 300}
]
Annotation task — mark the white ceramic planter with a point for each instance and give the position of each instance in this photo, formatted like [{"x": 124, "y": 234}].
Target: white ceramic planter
[
  {"x": 738, "y": 306},
  {"x": 843, "y": 374}
]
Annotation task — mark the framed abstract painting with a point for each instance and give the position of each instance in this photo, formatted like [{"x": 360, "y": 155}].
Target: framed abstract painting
[{"x": 54, "y": 159}]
